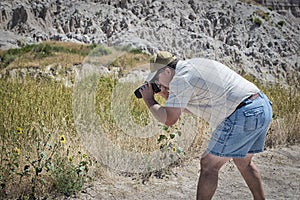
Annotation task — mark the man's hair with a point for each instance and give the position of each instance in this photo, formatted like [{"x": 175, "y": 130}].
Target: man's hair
[{"x": 173, "y": 64}]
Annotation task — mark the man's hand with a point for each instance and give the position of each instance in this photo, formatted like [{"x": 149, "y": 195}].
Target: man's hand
[
  {"x": 147, "y": 92},
  {"x": 164, "y": 93}
]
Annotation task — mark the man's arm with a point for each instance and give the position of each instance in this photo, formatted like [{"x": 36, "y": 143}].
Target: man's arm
[
  {"x": 166, "y": 115},
  {"x": 172, "y": 114}
]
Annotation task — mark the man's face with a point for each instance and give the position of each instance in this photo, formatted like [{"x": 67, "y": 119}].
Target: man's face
[{"x": 163, "y": 79}]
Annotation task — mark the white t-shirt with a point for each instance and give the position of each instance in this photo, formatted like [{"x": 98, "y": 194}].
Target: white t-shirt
[{"x": 208, "y": 89}]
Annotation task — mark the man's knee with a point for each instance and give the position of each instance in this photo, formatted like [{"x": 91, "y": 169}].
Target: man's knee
[
  {"x": 205, "y": 164},
  {"x": 208, "y": 170},
  {"x": 211, "y": 163}
]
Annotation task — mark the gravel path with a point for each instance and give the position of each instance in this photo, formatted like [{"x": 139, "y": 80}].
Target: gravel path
[{"x": 280, "y": 169}]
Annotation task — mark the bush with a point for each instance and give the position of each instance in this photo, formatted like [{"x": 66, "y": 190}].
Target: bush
[
  {"x": 10, "y": 55},
  {"x": 44, "y": 50},
  {"x": 281, "y": 23},
  {"x": 100, "y": 51},
  {"x": 257, "y": 21},
  {"x": 68, "y": 176},
  {"x": 262, "y": 14}
]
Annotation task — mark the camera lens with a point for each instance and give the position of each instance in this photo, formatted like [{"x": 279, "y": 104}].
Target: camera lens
[{"x": 138, "y": 93}]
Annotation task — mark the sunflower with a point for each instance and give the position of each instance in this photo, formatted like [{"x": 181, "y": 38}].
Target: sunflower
[
  {"x": 19, "y": 130},
  {"x": 174, "y": 149},
  {"x": 70, "y": 158},
  {"x": 17, "y": 150},
  {"x": 63, "y": 139}
]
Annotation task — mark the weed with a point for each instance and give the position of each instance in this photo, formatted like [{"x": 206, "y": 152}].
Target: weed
[
  {"x": 167, "y": 140},
  {"x": 69, "y": 177}
]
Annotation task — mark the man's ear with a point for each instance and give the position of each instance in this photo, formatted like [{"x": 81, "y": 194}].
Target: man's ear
[{"x": 168, "y": 70}]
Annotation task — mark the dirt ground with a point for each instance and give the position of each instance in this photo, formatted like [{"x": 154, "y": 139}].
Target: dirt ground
[{"x": 280, "y": 170}]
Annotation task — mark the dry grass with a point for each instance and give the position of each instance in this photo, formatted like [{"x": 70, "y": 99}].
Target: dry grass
[
  {"x": 64, "y": 59},
  {"x": 35, "y": 115},
  {"x": 46, "y": 53},
  {"x": 285, "y": 127},
  {"x": 284, "y": 131}
]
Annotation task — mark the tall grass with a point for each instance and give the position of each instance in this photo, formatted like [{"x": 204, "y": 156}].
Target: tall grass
[
  {"x": 138, "y": 111},
  {"x": 37, "y": 136},
  {"x": 285, "y": 127}
]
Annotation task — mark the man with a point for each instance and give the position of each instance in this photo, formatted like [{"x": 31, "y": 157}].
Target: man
[{"x": 236, "y": 109}]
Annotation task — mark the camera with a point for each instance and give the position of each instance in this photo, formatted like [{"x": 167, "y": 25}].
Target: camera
[{"x": 155, "y": 88}]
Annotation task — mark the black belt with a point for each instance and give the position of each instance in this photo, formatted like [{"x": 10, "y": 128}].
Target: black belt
[{"x": 243, "y": 103}]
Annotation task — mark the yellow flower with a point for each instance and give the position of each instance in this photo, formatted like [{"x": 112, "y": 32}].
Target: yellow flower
[
  {"x": 70, "y": 158},
  {"x": 63, "y": 139},
  {"x": 19, "y": 130},
  {"x": 84, "y": 155},
  {"x": 17, "y": 150},
  {"x": 174, "y": 149}
]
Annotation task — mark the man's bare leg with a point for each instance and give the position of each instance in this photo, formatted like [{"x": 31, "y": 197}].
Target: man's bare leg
[
  {"x": 251, "y": 175},
  {"x": 208, "y": 180}
]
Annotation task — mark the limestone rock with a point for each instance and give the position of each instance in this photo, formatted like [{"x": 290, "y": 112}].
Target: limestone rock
[
  {"x": 287, "y": 6},
  {"x": 249, "y": 37}
]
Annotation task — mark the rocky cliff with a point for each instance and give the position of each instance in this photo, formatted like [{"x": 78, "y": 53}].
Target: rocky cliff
[
  {"x": 248, "y": 36},
  {"x": 283, "y": 6}
]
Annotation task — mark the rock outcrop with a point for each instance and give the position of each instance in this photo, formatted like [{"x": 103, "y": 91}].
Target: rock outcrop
[
  {"x": 283, "y": 6},
  {"x": 249, "y": 37}
]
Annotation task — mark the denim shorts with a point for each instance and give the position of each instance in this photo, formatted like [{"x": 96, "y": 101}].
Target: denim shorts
[{"x": 244, "y": 131}]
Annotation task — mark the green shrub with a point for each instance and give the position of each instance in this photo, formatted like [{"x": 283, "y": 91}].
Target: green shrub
[
  {"x": 47, "y": 49},
  {"x": 257, "y": 21},
  {"x": 70, "y": 177},
  {"x": 42, "y": 50},
  {"x": 266, "y": 16},
  {"x": 11, "y": 54},
  {"x": 262, "y": 14},
  {"x": 136, "y": 51},
  {"x": 99, "y": 51},
  {"x": 281, "y": 23}
]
